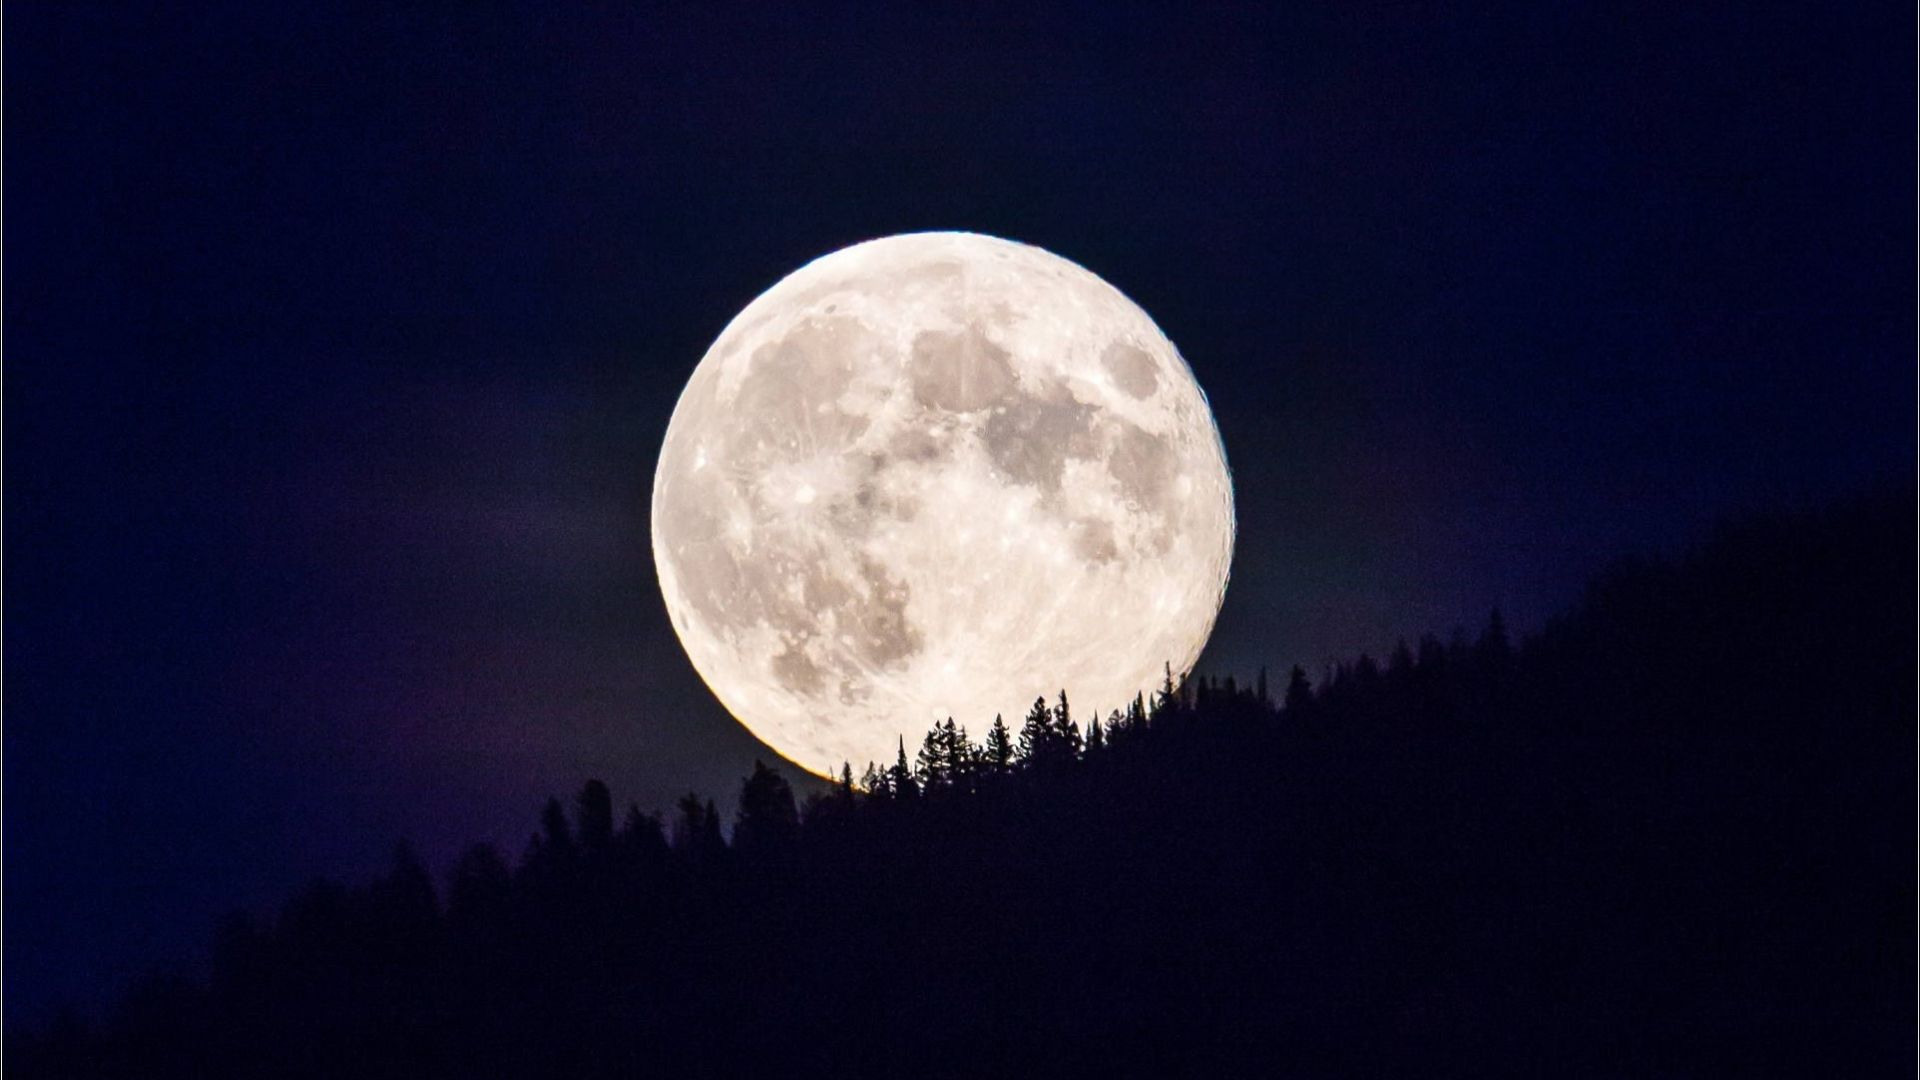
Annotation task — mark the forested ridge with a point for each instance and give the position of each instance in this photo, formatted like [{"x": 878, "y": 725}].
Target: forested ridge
[{"x": 1671, "y": 834}]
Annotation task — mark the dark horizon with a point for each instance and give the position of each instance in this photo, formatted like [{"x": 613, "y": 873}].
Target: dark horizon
[
  {"x": 341, "y": 345},
  {"x": 1623, "y": 844},
  {"x": 1881, "y": 504}
]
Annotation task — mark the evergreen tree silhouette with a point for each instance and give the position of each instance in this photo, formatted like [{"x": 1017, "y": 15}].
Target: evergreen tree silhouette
[
  {"x": 767, "y": 824},
  {"x": 1366, "y": 671},
  {"x": 696, "y": 832},
  {"x": 900, "y": 782},
  {"x": 552, "y": 852},
  {"x": 556, "y": 833},
  {"x": 1036, "y": 733},
  {"x": 998, "y": 753},
  {"x": 1400, "y": 662},
  {"x": 1066, "y": 731},
  {"x": 957, "y": 754},
  {"x": 1167, "y": 699},
  {"x": 1299, "y": 698},
  {"x": 930, "y": 765},
  {"x": 1135, "y": 717},
  {"x": 641, "y": 843},
  {"x": 407, "y": 890},
  {"x": 594, "y": 815}
]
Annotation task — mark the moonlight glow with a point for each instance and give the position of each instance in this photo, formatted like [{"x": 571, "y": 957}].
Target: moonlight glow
[{"x": 937, "y": 475}]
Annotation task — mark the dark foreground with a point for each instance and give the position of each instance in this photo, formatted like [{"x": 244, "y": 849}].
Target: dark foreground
[{"x": 1673, "y": 835}]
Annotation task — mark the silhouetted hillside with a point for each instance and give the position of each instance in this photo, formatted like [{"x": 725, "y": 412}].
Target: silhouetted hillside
[{"x": 1671, "y": 835}]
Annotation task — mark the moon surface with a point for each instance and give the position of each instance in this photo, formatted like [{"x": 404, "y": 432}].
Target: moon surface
[{"x": 933, "y": 475}]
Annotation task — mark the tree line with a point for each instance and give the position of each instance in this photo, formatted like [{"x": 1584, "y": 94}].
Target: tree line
[{"x": 1666, "y": 833}]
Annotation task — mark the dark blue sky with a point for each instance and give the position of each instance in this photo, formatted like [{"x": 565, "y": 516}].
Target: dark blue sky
[{"x": 339, "y": 346}]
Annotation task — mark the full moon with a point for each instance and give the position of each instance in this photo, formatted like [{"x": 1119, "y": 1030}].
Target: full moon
[{"x": 932, "y": 475}]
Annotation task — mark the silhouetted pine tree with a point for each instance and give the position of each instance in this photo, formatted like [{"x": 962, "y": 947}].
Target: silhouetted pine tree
[
  {"x": 930, "y": 764},
  {"x": 900, "y": 781},
  {"x": 594, "y": 817},
  {"x": 998, "y": 754},
  {"x": 1400, "y": 662},
  {"x": 1134, "y": 720},
  {"x": 1299, "y": 700},
  {"x": 959, "y": 758},
  {"x": 696, "y": 832},
  {"x": 1166, "y": 700},
  {"x": 1036, "y": 734},
  {"x": 768, "y": 823},
  {"x": 1066, "y": 730},
  {"x": 641, "y": 842},
  {"x": 552, "y": 851}
]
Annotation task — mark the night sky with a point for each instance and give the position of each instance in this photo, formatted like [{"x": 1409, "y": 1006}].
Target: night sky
[{"x": 340, "y": 345}]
